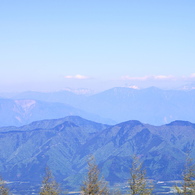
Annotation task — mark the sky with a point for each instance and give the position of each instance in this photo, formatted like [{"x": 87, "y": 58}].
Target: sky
[{"x": 51, "y": 45}]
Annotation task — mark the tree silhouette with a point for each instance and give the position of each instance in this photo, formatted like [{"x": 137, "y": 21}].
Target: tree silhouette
[
  {"x": 138, "y": 183},
  {"x": 188, "y": 183},
  {"x": 49, "y": 185},
  {"x": 3, "y": 189},
  {"x": 94, "y": 185}
]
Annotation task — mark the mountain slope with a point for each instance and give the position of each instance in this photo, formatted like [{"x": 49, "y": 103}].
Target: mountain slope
[
  {"x": 66, "y": 97},
  {"x": 26, "y": 151},
  {"x": 21, "y": 112},
  {"x": 150, "y": 105},
  {"x": 163, "y": 149},
  {"x": 65, "y": 145}
]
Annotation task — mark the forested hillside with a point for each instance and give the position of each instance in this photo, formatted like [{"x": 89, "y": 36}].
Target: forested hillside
[{"x": 65, "y": 145}]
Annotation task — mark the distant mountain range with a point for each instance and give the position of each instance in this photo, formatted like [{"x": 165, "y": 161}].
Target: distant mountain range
[
  {"x": 65, "y": 145},
  {"x": 150, "y": 105},
  {"x": 23, "y": 111}
]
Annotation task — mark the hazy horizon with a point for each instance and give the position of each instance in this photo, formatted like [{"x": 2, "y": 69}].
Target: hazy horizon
[{"x": 50, "y": 46}]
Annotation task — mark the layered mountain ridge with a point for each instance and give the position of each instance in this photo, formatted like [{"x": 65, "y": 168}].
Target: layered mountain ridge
[
  {"x": 65, "y": 145},
  {"x": 19, "y": 112},
  {"x": 151, "y": 105}
]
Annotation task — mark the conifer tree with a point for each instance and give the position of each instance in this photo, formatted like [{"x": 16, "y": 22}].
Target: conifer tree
[
  {"x": 94, "y": 185},
  {"x": 188, "y": 183},
  {"x": 138, "y": 183},
  {"x": 3, "y": 189},
  {"x": 49, "y": 185}
]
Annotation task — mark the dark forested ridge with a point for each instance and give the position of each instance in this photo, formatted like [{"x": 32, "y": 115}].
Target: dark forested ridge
[{"x": 65, "y": 145}]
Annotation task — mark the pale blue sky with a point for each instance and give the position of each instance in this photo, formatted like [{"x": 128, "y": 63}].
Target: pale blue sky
[{"x": 97, "y": 44}]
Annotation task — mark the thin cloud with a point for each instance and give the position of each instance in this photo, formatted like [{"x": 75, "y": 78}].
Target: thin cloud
[
  {"x": 163, "y": 77},
  {"x": 135, "y": 78},
  {"x": 192, "y": 75},
  {"x": 189, "y": 78},
  {"x": 144, "y": 78},
  {"x": 78, "y": 76},
  {"x": 159, "y": 78}
]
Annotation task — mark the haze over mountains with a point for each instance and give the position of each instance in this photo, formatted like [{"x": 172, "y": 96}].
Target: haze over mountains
[
  {"x": 118, "y": 123},
  {"x": 23, "y": 111},
  {"x": 65, "y": 145},
  {"x": 150, "y": 105}
]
